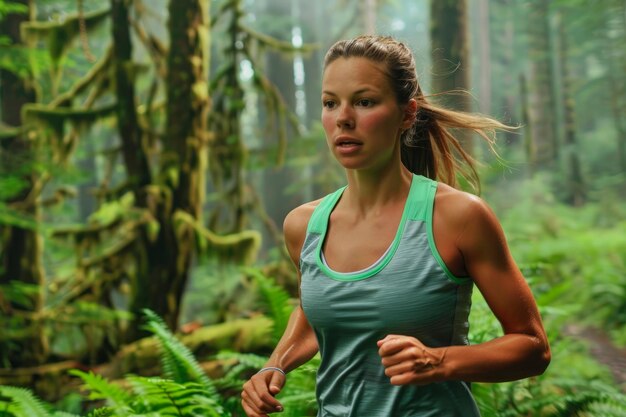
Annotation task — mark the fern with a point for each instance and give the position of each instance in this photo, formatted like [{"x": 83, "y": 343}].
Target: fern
[
  {"x": 101, "y": 389},
  {"x": 178, "y": 362},
  {"x": 276, "y": 299},
  {"x": 245, "y": 362},
  {"x": 21, "y": 402},
  {"x": 168, "y": 398},
  {"x": 102, "y": 412}
]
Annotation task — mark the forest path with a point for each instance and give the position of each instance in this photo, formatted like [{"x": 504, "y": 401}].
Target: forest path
[{"x": 603, "y": 350}]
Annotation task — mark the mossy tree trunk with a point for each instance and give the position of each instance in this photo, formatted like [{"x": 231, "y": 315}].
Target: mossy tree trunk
[
  {"x": 184, "y": 151},
  {"x": 21, "y": 248},
  {"x": 615, "y": 56},
  {"x": 575, "y": 183},
  {"x": 450, "y": 55},
  {"x": 164, "y": 256},
  {"x": 541, "y": 89}
]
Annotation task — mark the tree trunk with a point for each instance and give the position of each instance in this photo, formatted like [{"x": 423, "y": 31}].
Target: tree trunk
[
  {"x": 450, "y": 55},
  {"x": 615, "y": 35},
  {"x": 575, "y": 183},
  {"x": 227, "y": 150},
  {"x": 369, "y": 12},
  {"x": 484, "y": 49},
  {"x": 185, "y": 148},
  {"x": 22, "y": 248},
  {"x": 280, "y": 72},
  {"x": 541, "y": 88},
  {"x": 163, "y": 260}
]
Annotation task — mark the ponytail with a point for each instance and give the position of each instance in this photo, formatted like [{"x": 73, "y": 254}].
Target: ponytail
[{"x": 430, "y": 149}]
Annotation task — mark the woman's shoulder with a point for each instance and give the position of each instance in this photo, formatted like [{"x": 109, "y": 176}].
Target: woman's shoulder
[
  {"x": 459, "y": 208},
  {"x": 295, "y": 225}
]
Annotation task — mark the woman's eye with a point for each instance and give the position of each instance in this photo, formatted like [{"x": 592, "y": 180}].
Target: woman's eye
[
  {"x": 365, "y": 102},
  {"x": 329, "y": 104}
]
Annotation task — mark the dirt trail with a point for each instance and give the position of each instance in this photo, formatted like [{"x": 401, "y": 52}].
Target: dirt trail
[{"x": 603, "y": 350}]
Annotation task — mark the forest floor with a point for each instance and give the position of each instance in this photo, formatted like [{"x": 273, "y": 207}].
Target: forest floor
[{"x": 603, "y": 350}]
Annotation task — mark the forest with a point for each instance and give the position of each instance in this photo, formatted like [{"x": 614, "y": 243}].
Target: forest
[{"x": 150, "y": 150}]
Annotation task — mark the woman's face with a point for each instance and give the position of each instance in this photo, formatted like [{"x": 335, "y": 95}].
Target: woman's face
[{"x": 361, "y": 116}]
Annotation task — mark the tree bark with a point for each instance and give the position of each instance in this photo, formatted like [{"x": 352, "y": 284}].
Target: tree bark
[
  {"x": 185, "y": 148},
  {"x": 541, "y": 88},
  {"x": 163, "y": 261},
  {"x": 369, "y": 13},
  {"x": 575, "y": 183},
  {"x": 450, "y": 55},
  {"x": 22, "y": 247},
  {"x": 485, "y": 56}
]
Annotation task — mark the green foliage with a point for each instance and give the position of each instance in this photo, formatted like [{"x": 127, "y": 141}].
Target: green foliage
[
  {"x": 276, "y": 299},
  {"x": 20, "y": 402},
  {"x": 9, "y": 7},
  {"x": 178, "y": 362},
  {"x": 101, "y": 389},
  {"x": 150, "y": 397},
  {"x": 169, "y": 398}
]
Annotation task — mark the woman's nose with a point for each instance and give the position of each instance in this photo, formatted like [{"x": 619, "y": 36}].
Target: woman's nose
[{"x": 345, "y": 118}]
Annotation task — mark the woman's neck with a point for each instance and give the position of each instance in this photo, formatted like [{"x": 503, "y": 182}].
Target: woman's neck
[{"x": 371, "y": 192}]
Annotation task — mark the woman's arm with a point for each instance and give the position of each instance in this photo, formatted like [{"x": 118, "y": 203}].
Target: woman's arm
[
  {"x": 298, "y": 343},
  {"x": 523, "y": 351}
]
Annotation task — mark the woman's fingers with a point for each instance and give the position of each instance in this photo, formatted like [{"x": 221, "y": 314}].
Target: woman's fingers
[{"x": 257, "y": 397}]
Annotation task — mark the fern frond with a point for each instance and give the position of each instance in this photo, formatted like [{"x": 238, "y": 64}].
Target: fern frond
[
  {"x": 276, "y": 299},
  {"x": 605, "y": 409},
  {"x": 101, "y": 389},
  {"x": 245, "y": 362},
  {"x": 169, "y": 398},
  {"x": 22, "y": 403},
  {"x": 178, "y": 362},
  {"x": 102, "y": 412},
  {"x": 64, "y": 414}
]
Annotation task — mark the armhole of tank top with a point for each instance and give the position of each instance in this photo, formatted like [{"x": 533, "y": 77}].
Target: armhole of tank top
[
  {"x": 319, "y": 219},
  {"x": 432, "y": 190}
]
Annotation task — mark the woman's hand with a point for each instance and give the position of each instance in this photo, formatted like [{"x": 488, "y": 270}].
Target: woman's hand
[
  {"x": 409, "y": 361},
  {"x": 257, "y": 397}
]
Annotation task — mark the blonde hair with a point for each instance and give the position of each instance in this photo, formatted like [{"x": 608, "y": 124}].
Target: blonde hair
[{"x": 428, "y": 147}]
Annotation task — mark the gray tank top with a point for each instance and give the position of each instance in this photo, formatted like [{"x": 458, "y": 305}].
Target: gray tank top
[{"x": 408, "y": 291}]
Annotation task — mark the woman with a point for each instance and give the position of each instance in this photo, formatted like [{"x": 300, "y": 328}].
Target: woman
[{"x": 387, "y": 263}]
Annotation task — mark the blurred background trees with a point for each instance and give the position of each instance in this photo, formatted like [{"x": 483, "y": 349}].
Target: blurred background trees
[{"x": 150, "y": 150}]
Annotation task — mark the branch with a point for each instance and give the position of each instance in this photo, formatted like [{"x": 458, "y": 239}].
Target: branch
[
  {"x": 277, "y": 44},
  {"x": 98, "y": 69},
  {"x": 242, "y": 246},
  {"x": 53, "y": 115}
]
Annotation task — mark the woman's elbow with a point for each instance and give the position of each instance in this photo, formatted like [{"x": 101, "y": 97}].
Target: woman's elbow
[{"x": 542, "y": 359}]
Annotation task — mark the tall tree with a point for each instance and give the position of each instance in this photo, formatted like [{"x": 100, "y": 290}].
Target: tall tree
[
  {"x": 450, "y": 54},
  {"x": 615, "y": 54},
  {"x": 541, "y": 88},
  {"x": 280, "y": 72},
  {"x": 576, "y": 194},
  {"x": 369, "y": 13},
  {"x": 175, "y": 199},
  {"x": 484, "y": 49},
  {"x": 22, "y": 245}
]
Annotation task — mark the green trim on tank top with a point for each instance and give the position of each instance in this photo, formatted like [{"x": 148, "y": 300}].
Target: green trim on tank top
[
  {"x": 318, "y": 223},
  {"x": 432, "y": 189}
]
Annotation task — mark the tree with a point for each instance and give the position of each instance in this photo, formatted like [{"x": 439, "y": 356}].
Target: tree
[
  {"x": 175, "y": 197},
  {"x": 450, "y": 55},
  {"x": 22, "y": 246},
  {"x": 543, "y": 136},
  {"x": 576, "y": 194}
]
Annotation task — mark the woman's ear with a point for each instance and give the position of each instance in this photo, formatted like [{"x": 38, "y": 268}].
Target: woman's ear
[{"x": 410, "y": 113}]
